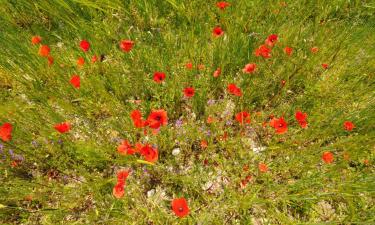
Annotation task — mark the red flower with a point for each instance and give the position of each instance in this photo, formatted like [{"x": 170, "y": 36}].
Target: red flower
[
  {"x": 62, "y": 127},
  {"x": 262, "y": 167},
  {"x": 122, "y": 175},
  {"x": 126, "y": 45},
  {"x": 6, "y": 132},
  {"x": 50, "y": 60},
  {"x": 288, "y": 50},
  {"x": 325, "y": 66},
  {"x": 75, "y": 81},
  {"x": 149, "y": 153},
  {"x": 249, "y": 68},
  {"x": 118, "y": 190},
  {"x": 180, "y": 207},
  {"x": 85, "y": 45},
  {"x": 263, "y": 51},
  {"x": 217, "y": 31},
  {"x": 94, "y": 58},
  {"x": 125, "y": 148},
  {"x": 159, "y": 77},
  {"x": 271, "y": 40},
  {"x": 327, "y": 157},
  {"x": 234, "y": 90},
  {"x": 217, "y": 72},
  {"x": 36, "y": 40},
  {"x": 80, "y": 61},
  {"x": 189, "y": 65},
  {"x": 314, "y": 49},
  {"x": 280, "y": 125},
  {"x": 243, "y": 117},
  {"x": 222, "y": 5},
  {"x": 300, "y": 116},
  {"x": 157, "y": 118},
  {"x": 303, "y": 123},
  {"x": 349, "y": 126},
  {"x": 136, "y": 116},
  {"x": 44, "y": 50},
  {"x": 189, "y": 92}
]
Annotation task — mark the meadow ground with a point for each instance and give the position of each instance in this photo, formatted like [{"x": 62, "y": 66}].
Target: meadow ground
[{"x": 187, "y": 112}]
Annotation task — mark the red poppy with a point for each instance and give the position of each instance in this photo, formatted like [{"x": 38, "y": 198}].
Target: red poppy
[
  {"x": 126, "y": 45},
  {"x": 136, "y": 116},
  {"x": 85, "y": 45},
  {"x": 325, "y": 66},
  {"x": 157, "y": 118},
  {"x": 249, "y": 68},
  {"x": 189, "y": 92},
  {"x": 180, "y": 207},
  {"x": 118, "y": 190},
  {"x": 122, "y": 175},
  {"x": 50, "y": 60},
  {"x": 280, "y": 125},
  {"x": 94, "y": 58},
  {"x": 222, "y": 5},
  {"x": 288, "y": 50},
  {"x": 80, "y": 61},
  {"x": 271, "y": 40},
  {"x": 189, "y": 65},
  {"x": 6, "y": 132},
  {"x": 300, "y": 116},
  {"x": 263, "y": 51},
  {"x": 36, "y": 40},
  {"x": 62, "y": 127},
  {"x": 243, "y": 117},
  {"x": 159, "y": 77},
  {"x": 125, "y": 148},
  {"x": 217, "y": 31},
  {"x": 314, "y": 49},
  {"x": 44, "y": 50},
  {"x": 349, "y": 126},
  {"x": 262, "y": 167},
  {"x": 76, "y": 81},
  {"x": 149, "y": 153},
  {"x": 327, "y": 157},
  {"x": 217, "y": 72},
  {"x": 234, "y": 90},
  {"x": 204, "y": 144}
]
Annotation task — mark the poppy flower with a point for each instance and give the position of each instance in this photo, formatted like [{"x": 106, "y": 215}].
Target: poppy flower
[
  {"x": 262, "y": 167},
  {"x": 125, "y": 148},
  {"x": 204, "y": 144},
  {"x": 217, "y": 31},
  {"x": 75, "y": 81},
  {"x": 50, "y": 60},
  {"x": 222, "y": 5},
  {"x": 118, "y": 190},
  {"x": 122, "y": 175},
  {"x": 300, "y": 116},
  {"x": 126, "y": 45},
  {"x": 327, "y": 157},
  {"x": 263, "y": 51},
  {"x": 234, "y": 90},
  {"x": 314, "y": 49},
  {"x": 288, "y": 50},
  {"x": 249, "y": 68},
  {"x": 6, "y": 132},
  {"x": 157, "y": 118},
  {"x": 94, "y": 58},
  {"x": 280, "y": 125},
  {"x": 271, "y": 40},
  {"x": 85, "y": 45},
  {"x": 44, "y": 50},
  {"x": 217, "y": 72},
  {"x": 136, "y": 116},
  {"x": 189, "y": 92},
  {"x": 243, "y": 117},
  {"x": 180, "y": 207},
  {"x": 349, "y": 126},
  {"x": 149, "y": 153},
  {"x": 80, "y": 61},
  {"x": 325, "y": 66},
  {"x": 159, "y": 77},
  {"x": 62, "y": 127},
  {"x": 210, "y": 119},
  {"x": 36, "y": 40},
  {"x": 189, "y": 65}
]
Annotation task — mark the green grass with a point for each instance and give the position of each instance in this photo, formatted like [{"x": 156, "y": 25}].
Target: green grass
[{"x": 70, "y": 176}]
